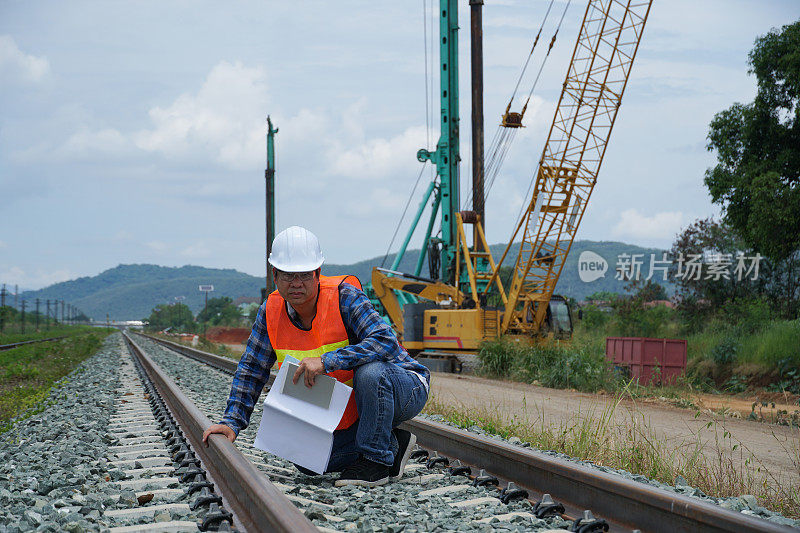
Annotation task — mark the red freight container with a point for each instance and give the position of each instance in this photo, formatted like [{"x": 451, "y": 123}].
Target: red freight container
[{"x": 642, "y": 356}]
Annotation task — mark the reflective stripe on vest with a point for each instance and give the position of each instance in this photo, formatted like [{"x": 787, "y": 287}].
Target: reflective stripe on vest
[{"x": 327, "y": 333}]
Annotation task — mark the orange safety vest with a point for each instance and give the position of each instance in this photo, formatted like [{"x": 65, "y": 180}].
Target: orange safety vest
[{"x": 327, "y": 333}]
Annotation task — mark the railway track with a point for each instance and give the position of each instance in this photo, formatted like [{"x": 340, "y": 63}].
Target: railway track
[
  {"x": 461, "y": 481},
  {"x": 23, "y": 343}
]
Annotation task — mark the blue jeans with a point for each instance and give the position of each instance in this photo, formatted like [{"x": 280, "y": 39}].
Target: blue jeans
[{"x": 386, "y": 395}]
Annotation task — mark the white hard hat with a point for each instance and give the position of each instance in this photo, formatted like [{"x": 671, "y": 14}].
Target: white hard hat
[{"x": 296, "y": 249}]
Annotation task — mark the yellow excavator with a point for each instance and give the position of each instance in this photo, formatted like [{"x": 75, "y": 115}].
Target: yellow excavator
[{"x": 449, "y": 312}]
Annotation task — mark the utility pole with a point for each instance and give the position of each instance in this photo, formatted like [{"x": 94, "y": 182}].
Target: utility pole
[
  {"x": 16, "y": 295},
  {"x": 2, "y": 307},
  {"x": 269, "y": 175},
  {"x": 206, "y": 289},
  {"x": 476, "y": 16},
  {"x": 47, "y": 317},
  {"x": 62, "y": 312},
  {"x": 22, "y": 318},
  {"x": 37, "y": 314}
]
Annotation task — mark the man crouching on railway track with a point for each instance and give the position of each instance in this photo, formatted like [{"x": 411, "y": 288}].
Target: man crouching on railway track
[{"x": 329, "y": 323}]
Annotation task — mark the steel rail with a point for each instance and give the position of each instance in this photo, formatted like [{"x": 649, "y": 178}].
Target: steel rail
[
  {"x": 23, "y": 343},
  {"x": 624, "y": 502},
  {"x": 257, "y": 504},
  {"x": 627, "y": 502},
  {"x": 225, "y": 364}
]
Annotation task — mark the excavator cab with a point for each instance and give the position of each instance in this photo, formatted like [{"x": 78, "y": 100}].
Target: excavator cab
[{"x": 558, "y": 321}]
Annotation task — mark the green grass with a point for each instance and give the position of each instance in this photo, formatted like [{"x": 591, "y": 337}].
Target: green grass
[
  {"x": 556, "y": 365},
  {"x": 218, "y": 348},
  {"x": 740, "y": 347},
  {"x": 27, "y": 373},
  {"x": 12, "y": 332},
  {"x": 776, "y": 344}
]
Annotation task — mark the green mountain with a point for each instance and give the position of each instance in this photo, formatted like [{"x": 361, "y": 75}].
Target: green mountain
[
  {"x": 569, "y": 284},
  {"x": 129, "y": 292}
]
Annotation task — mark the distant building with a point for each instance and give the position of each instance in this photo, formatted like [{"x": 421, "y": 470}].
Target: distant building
[
  {"x": 246, "y": 304},
  {"x": 665, "y": 303}
]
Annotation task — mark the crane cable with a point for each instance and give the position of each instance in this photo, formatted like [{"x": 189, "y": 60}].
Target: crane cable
[
  {"x": 530, "y": 55},
  {"x": 427, "y": 130},
  {"x": 504, "y": 136},
  {"x": 533, "y": 178},
  {"x": 501, "y": 136},
  {"x": 549, "y": 49},
  {"x": 403, "y": 216}
]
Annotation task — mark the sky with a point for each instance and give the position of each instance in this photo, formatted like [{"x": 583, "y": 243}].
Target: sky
[{"x": 134, "y": 132}]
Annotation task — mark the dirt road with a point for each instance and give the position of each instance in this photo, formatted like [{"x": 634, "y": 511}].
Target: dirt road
[{"x": 774, "y": 448}]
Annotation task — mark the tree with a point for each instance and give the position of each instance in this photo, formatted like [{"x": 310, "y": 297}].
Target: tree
[
  {"x": 607, "y": 296},
  {"x": 710, "y": 241},
  {"x": 220, "y": 312},
  {"x": 757, "y": 176},
  {"x": 631, "y": 317},
  {"x": 176, "y": 316},
  {"x": 651, "y": 290},
  {"x": 700, "y": 293}
]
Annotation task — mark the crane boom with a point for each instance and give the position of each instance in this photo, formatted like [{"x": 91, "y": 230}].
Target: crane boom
[{"x": 587, "y": 108}]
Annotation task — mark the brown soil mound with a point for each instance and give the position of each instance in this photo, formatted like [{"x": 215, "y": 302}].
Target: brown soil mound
[{"x": 228, "y": 335}]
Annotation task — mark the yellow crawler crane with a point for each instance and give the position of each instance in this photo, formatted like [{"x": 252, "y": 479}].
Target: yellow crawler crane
[
  {"x": 587, "y": 108},
  {"x": 455, "y": 317}
]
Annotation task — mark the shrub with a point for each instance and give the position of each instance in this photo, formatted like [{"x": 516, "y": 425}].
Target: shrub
[
  {"x": 496, "y": 356},
  {"x": 749, "y": 316},
  {"x": 552, "y": 365},
  {"x": 725, "y": 352},
  {"x": 577, "y": 370},
  {"x": 594, "y": 317},
  {"x": 638, "y": 322}
]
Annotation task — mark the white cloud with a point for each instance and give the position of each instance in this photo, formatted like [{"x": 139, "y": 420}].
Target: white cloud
[
  {"x": 156, "y": 246},
  {"x": 35, "y": 279},
  {"x": 91, "y": 144},
  {"x": 218, "y": 189},
  {"x": 379, "y": 201},
  {"x": 223, "y": 120},
  {"x": 657, "y": 227},
  {"x": 196, "y": 250},
  {"x": 17, "y": 65},
  {"x": 378, "y": 157}
]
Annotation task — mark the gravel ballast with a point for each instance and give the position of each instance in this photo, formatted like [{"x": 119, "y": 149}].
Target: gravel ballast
[
  {"x": 52, "y": 466},
  {"x": 54, "y": 471},
  {"x": 394, "y": 507}
]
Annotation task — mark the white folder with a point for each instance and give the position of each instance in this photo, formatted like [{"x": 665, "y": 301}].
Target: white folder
[{"x": 298, "y": 422}]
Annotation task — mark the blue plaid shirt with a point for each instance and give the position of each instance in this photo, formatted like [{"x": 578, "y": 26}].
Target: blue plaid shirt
[{"x": 376, "y": 342}]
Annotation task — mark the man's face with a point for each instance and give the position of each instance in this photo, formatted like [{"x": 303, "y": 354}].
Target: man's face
[{"x": 297, "y": 288}]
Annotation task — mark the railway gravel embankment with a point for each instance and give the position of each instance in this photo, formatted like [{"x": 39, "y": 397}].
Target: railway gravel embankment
[
  {"x": 420, "y": 502},
  {"x": 92, "y": 460}
]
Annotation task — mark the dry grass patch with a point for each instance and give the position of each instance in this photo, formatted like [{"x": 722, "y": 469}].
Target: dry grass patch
[{"x": 720, "y": 466}]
